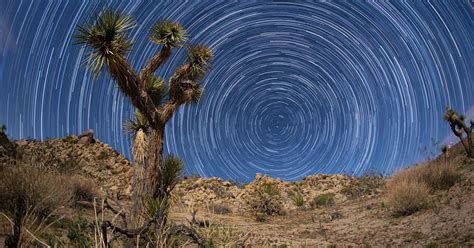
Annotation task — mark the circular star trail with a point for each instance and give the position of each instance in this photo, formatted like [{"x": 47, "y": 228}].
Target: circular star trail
[{"x": 295, "y": 88}]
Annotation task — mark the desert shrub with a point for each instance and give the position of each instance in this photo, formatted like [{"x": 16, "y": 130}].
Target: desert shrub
[
  {"x": 265, "y": 199},
  {"x": 408, "y": 190},
  {"x": 362, "y": 186},
  {"x": 218, "y": 208},
  {"x": 83, "y": 189},
  {"x": 405, "y": 195},
  {"x": 435, "y": 174},
  {"x": 297, "y": 198},
  {"x": 42, "y": 190},
  {"x": 439, "y": 175},
  {"x": 322, "y": 200},
  {"x": 30, "y": 198}
]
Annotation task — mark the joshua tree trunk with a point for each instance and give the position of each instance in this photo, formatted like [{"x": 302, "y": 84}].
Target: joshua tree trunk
[{"x": 145, "y": 181}]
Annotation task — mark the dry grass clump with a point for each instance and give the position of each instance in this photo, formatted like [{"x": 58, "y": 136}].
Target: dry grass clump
[
  {"x": 30, "y": 198},
  {"x": 438, "y": 175},
  {"x": 408, "y": 190},
  {"x": 406, "y": 196},
  {"x": 83, "y": 189}
]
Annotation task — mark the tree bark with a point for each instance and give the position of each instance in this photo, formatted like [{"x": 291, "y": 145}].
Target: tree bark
[
  {"x": 155, "y": 62},
  {"x": 145, "y": 181}
]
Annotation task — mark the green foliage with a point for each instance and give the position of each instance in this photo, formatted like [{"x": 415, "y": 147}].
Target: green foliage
[
  {"x": 172, "y": 169},
  {"x": 265, "y": 200},
  {"x": 322, "y": 200},
  {"x": 431, "y": 245},
  {"x": 107, "y": 35},
  {"x": 78, "y": 233},
  {"x": 153, "y": 206},
  {"x": 449, "y": 114},
  {"x": 168, "y": 33},
  {"x": 199, "y": 57},
  {"x": 138, "y": 122},
  {"x": 156, "y": 89},
  {"x": 209, "y": 244},
  {"x": 297, "y": 197}
]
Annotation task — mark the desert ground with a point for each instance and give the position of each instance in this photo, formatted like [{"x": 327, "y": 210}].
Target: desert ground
[{"x": 318, "y": 211}]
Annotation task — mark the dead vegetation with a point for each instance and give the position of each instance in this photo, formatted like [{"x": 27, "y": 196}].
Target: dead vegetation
[
  {"x": 30, "y": 200},
  {"x": 409, "y": 189}
]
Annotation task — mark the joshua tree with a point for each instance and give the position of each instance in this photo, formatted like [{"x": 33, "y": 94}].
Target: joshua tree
[
  {"x": 460, "y": 128},
  {"x": 154, "y": 99}
]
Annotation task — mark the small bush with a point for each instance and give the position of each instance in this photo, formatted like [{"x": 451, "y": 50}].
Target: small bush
[
  {"x": 405, "y": 196},
  {"x": 322, "y": 200},
  {"x": 83, "y": 189},
  {"x": 265, "y": 199},
  {"x": 297, "y": 198},
  {"x": 219, "y": 209}
]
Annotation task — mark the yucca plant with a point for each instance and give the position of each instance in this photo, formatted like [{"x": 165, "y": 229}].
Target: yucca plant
[{"x": 154, "y": 99}]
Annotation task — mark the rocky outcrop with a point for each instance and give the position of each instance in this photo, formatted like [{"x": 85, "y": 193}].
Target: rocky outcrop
[
  {"x": 195, "y": 191},
  {"x": 82, "y": 155}
]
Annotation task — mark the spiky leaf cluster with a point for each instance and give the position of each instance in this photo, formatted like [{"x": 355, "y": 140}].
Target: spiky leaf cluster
[
  {"x": 139, "y": 122},
  {"x": 168, "y": 33},
  {"x": 199, "y": 58},
  {"x": 449, "y": 115},
  {"x": 107, "y": 36},
  {"x": 172, "y": 169},
  {"x": 153, "y": 206},
  {"x": 156, "y": 89}
]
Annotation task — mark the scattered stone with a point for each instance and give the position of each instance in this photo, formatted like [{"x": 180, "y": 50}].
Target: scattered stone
[{"x": 22, "y": 142}]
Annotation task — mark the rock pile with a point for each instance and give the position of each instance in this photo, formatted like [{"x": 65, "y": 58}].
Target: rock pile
[{"x": 195, "y": 191}]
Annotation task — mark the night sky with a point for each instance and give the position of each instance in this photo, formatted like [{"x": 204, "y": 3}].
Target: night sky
[{"x": 295, "y": 88}]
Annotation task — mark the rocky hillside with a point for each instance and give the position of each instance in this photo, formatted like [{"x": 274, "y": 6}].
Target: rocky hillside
[{"x": 83, "y": 155}]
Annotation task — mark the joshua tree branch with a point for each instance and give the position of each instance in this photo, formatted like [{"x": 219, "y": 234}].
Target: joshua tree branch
[
  {"x": 168, "y": 109},
  {"x": 156, "y": 61},
  {"x": 190, "y": 232},
  {"x": 131, "y": 86}
]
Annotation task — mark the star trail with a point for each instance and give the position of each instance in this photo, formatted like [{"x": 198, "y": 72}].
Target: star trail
[{"x": 296, "y": 88}]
